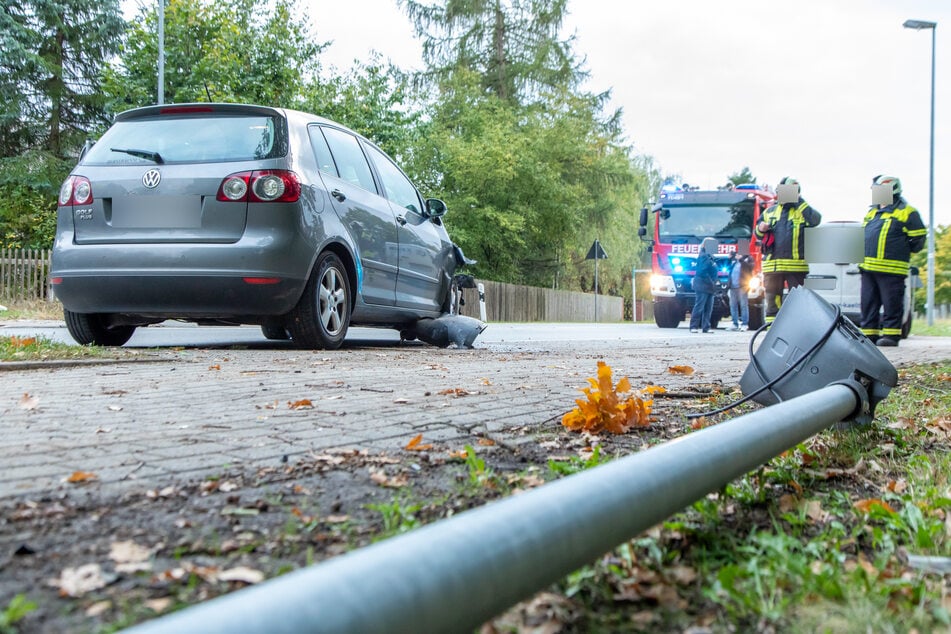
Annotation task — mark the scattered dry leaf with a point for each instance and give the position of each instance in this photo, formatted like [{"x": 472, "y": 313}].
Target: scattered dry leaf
[
  {"x": 680, "y": 369},
  {"x": 303, "y": 403},
  {"x": 217, "y": 366},
  {"x": 461, "y": 454},
  {"x": 79, "y": 581},
  {"x": 81, "y": 476},
  {"x": 98, "y": 609},
  {"x": 486, "y": 442},
  {"x": 606, "y": 409},
  {"x": 414, "y": 444},
  {"x": 455, "y": 391},
  {"x": 867, "y": 505},
  {"x": 394, "y": 482},
  {"x": 654, "y": 389},
  {"x": 158, "y": 605},
  {"x": 29, "y": 402}
]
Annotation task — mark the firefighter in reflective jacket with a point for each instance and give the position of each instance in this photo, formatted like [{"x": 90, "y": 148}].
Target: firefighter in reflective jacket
[
  {"x": 893, "y": 231},
  {"x": 781, "y": 232}
]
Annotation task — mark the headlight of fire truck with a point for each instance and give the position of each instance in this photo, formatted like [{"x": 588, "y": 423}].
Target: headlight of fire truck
[
  {"x": 663, "y": 286},
  {"x": 756, "y": 286}
]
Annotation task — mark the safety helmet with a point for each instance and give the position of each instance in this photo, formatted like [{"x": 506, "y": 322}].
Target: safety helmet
[
  {"x": 891, "y": 181},
  {"x": 788, "y": 180}
]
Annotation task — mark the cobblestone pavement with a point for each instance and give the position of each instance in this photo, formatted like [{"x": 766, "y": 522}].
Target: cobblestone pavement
[{"x": 186, "y": 413}]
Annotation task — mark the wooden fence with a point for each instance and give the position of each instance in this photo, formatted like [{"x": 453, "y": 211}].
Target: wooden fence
[
  {"x": 24, "y": 274},
  {"x": 514, "y": 303}
]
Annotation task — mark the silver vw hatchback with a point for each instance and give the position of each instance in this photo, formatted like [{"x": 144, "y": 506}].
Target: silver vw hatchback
[{"x": 239, "y": 214}]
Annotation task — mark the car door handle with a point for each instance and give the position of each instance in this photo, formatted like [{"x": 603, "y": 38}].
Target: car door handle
[
  {"x": 339, "y": 195},
  {"x": 401, "y": 220}
]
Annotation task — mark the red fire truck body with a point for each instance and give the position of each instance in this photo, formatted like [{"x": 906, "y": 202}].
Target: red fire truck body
[{"x": 682, "y": 220}]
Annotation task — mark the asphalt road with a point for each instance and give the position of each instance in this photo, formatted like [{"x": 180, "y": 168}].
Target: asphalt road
[{"x": 196, "y": 399}]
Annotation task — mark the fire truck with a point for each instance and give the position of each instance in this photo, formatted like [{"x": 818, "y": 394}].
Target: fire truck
[{"x": 683, "y": 217}]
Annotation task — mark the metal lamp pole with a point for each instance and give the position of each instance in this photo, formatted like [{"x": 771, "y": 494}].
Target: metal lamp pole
[
  {"x": 161, "y": 52},
  {"x": 918, "y": 25}
]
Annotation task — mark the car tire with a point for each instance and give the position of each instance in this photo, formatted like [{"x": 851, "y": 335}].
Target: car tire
[
  {"x": 322, "y": 316},
  {"x": 668, "y": 314},
  {"x": 275, "y": 331},
  {"x": 92, "y": 329}
]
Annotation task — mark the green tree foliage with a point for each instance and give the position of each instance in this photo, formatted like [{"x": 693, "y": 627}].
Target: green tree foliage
[
  {"x": 374, "y": 99},
  {"x": 50, "y": 96},
  {"x": 743, "y": 177},
  {"x": 249, "y": 51},
  {"x": 512, "y": 45},
  {"x": 529, "y": 189},
  {"x": 942, "y": 260}
]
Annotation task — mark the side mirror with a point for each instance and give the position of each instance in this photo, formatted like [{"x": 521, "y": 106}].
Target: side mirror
[
  {"x": 642, "y": 231},
  {"x": 643, "y": 219},
  {"x": 435, "y": 208}
]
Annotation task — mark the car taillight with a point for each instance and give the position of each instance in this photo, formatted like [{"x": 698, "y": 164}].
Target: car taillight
[
  {"x": 76, "y": 190},
  {"x": 260, "y": 186}
]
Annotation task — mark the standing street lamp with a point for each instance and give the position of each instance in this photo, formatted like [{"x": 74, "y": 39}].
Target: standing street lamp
[
  {"x": 918, "y": 25},
  {"x": 161, "y": 52}
]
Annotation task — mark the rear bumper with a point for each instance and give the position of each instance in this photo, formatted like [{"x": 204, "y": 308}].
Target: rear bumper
[
  {"x": 176, "y": 297},
  {"x": 181, "y": 280}
]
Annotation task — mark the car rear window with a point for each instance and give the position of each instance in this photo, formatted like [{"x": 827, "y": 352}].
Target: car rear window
[{"x": 189, "y": 139}]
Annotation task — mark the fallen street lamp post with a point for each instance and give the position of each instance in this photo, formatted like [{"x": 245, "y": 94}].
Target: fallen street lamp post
[{"x": 456, "y": 574}]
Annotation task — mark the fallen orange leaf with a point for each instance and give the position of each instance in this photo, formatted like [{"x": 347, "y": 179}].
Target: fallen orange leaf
[
  {"x": 81, "y": 476},
  {"x": 866, "y": 506},
  {"x": 462, "y": 454},
  {"x": 680, "y": 369},
  {"x": 486, "y": 442},
  {"x": 217, "y": 366},
  {"x": 654, "y": 389},
  {"x": 606, "y": 409},
  {"x": 414, "y": 444},
  {"x": 304, "y": 403},
  {"x": 22, "y": 342}
]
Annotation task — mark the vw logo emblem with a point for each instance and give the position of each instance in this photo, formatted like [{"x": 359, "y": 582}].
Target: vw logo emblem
[{"x": 152, "y": 178}]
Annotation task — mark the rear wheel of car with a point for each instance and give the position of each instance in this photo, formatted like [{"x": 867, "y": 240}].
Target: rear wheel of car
[
  {"x": 275, "y": 331},
  {"x": 322, "y": 316},
  {"x": 92, "y": 328}
]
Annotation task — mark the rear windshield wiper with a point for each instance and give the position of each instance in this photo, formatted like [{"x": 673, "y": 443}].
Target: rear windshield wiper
[{"x": 155, "y": 157}]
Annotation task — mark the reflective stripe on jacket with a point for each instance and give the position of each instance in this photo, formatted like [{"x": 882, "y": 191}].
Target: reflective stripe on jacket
[
  {"x": 788, "y": 224},
  {"x": 892, "y": 234}
]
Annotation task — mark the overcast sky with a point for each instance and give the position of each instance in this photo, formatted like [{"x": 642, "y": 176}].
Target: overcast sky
[{"x": 831, "y": 92}]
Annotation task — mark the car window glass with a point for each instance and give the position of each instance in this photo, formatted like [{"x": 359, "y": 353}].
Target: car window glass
[
  {"x": 351, "y": 163},
  {"x": 325, "y": 161},
  {"x": 396, "y": 187},
  {"x": 187, "y": 139}
]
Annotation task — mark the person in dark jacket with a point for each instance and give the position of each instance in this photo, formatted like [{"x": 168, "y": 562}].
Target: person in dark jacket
[
  {"x": 893, "y": 231},
  {"x": 741, "y": 270},
  {"x": 781, "y": 230},
  {"x": 704, "y": 287}
]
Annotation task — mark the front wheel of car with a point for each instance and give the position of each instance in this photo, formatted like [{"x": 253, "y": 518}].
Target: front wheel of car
[
  {"x": 322, "y": 316},
  {"x": 92, "y": 328}
]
